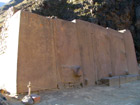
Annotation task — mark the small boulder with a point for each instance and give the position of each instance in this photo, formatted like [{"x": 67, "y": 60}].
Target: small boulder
[{"x": 27, "y": 100}]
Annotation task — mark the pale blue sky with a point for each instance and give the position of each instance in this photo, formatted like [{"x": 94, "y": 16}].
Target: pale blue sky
[{"x": 4, "y": 1}]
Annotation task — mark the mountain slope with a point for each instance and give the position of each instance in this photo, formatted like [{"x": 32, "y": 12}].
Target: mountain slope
[{"x": 11, "y": 3}]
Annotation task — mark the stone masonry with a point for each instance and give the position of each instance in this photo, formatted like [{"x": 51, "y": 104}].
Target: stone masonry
[{"x": 53, "y": 53}]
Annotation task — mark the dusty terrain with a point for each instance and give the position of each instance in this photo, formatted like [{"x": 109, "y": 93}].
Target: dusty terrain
[{"x": 128, "y": 94}]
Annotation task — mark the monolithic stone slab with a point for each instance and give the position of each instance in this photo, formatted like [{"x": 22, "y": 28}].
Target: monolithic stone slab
[
  {"x": 117, "y": 80},
  {"x": 132, "y": 77},
  {"x": 36, "y": 58},
  {"x": 130, "y": 53},
  {"x": 138, "y": 77},
  {"x": 118, "y": 53},
  {"x": 67, "y": 51},
  {"x": 111, "y": 81},
  {"x": 87, "y": 51},
  {"x": 102, "y": 51}
]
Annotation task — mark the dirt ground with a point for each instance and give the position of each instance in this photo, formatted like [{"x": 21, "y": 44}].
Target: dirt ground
[{"x": 128, "y": 94}]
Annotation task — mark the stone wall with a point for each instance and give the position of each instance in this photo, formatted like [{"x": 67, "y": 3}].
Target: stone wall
[{"x": 53, "y": 53}]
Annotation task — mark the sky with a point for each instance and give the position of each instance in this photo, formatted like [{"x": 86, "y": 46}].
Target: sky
[{"x": 4, "y": 1}]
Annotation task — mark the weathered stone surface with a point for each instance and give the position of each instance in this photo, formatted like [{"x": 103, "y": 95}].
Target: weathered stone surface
[
  {"x": 48, "y": 52},
  {"x": 130, "y": 78},
  {"x": 111, "y": 81},
  {"x": 118, "y": 80},
  {"x": 130, "y": 53},
  {"x": 103, "y": 12},
  {"x": 102, "y": 51},
  {"x": 87, "y": 51},
  {"x": 36, "y": 57},
  {"x": 138, "y": 77},
  {"x": 67, "y": 51},
  {"x": 118, "y": 53}
]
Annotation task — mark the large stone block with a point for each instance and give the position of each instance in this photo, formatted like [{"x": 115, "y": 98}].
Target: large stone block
[
  {"x": 87, "y": 51},
  {"x": 130, "y": 53},
  {"x": 111, "y": 81},
  {"x": 118, "y": 53},
  {"x": 36, "y": 57},
  {"x": 130, "y": 78},
  {"x": 67, "y": 52},
  {"x": 118, "y": 80},
  {"x": 102, "y": 51},
  {"x": 138, "y": 77}
]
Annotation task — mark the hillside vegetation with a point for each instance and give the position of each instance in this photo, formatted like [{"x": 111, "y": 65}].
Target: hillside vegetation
[{"x": 116, "y": 14}]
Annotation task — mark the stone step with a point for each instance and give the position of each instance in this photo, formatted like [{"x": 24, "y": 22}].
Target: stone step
[{"x": 117, "y": 80}]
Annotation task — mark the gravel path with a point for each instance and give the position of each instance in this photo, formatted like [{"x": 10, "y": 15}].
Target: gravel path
[{"x": 128, "y": 94}]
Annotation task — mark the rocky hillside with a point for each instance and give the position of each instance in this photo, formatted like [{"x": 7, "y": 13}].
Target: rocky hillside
[
  {"x": 116, "y": 14},
  {"x": 11, "y": 3}
]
